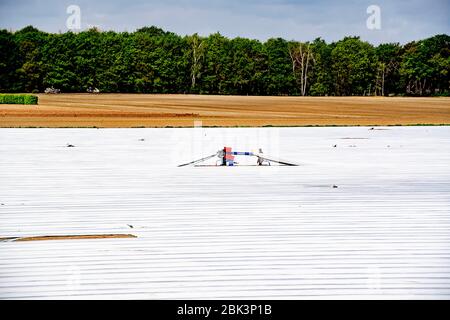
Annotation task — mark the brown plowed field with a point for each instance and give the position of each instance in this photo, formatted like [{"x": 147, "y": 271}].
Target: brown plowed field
[{"x": 147, "y": 110}]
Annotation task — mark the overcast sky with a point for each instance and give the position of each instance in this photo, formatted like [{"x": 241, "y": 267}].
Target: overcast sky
[{"x": 401, "y": 20}]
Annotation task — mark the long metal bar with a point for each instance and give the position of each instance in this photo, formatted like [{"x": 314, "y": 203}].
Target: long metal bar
[
  {"x": 277, "y": 161},
  {"x": 199, "y": 160},
  {"x": 240, "y": 153}
]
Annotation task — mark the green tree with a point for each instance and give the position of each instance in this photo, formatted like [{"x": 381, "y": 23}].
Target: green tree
[
  {"x": 151, "y": 60},
  {"x": 425, "y": 65},
  {"x": 8, "y": 62},
  {"x": 387, "y": 68},
  {"x": 322, "y": 82},
  {"x": 353, "y": 66},
  {"x": 30, "y": 72},
  {"x": 248, "y": 67},
  {"x": 279, "y": 79},
  {"x": 217, "y": 65}
]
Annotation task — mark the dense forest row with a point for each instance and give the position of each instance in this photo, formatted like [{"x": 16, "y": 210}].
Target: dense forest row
[{"x": 151, "y": 60}]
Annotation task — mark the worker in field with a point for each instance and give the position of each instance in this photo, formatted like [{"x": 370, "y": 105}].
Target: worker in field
[{"x": 260, "y": 161}]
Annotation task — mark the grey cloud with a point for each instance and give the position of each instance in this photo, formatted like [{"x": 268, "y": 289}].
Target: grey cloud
[{"x": 402, "y": 21}]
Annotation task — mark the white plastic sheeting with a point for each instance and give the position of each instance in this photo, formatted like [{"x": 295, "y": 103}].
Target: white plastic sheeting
[{"x": 272, "y": 232}]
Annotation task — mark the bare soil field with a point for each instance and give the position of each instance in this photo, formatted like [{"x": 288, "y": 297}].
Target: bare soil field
[{"x": 149, "y": 110}]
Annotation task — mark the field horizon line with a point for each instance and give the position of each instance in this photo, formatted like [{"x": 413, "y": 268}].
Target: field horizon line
[{"x": 264, "y": 126}]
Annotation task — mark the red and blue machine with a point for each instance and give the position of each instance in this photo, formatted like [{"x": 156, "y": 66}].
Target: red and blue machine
[{"x": 227, "y": 156}]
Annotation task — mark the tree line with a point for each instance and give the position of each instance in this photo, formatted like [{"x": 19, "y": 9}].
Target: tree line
[{"x": 151, "y": 60}]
